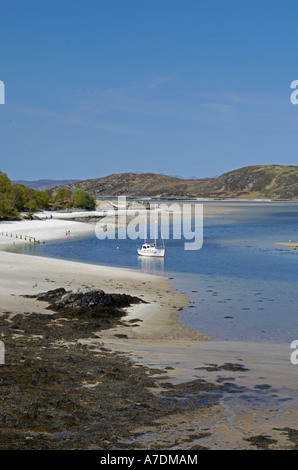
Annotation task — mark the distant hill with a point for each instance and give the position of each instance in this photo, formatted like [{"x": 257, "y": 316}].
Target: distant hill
[
  {"x": 43, "y": 184},
  {"x": 259, "y": 181}
]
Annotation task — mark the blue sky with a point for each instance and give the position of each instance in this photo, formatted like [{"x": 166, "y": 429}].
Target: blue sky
[{"x": 189, "y": 88}]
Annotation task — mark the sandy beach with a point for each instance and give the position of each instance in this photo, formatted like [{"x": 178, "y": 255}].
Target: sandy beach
[
  {"x": 258, "y": 405},
  {"x": 288, "y": 245}
]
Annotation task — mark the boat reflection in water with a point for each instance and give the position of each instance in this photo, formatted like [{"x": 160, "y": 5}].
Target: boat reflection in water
[{"x": 151, "y": 265}]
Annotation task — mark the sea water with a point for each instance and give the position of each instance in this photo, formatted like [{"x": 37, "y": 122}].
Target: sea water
[{"x": 241, "y": 285}]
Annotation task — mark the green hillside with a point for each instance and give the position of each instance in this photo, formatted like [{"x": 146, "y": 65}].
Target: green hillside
[{"x": 260, "y": 181}]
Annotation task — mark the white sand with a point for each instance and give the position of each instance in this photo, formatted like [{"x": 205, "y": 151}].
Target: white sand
[{"x": 40, "y": 230}]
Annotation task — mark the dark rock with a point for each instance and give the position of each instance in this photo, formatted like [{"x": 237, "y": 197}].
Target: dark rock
[
  {"x": 92, "y": 303},
  {"x": 51, "y": 294}
]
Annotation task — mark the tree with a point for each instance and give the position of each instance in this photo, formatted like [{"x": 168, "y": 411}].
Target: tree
[
  {"x": 7, "y": 211},
  {"x": 62, "y": 199},
  {"x": 5, "y": 182},
  {"x": 16, "y": 197},
  {"x": 82, "y": 199},
  {"x": 7, "y": 206},
  {"x": 19, "y": 196}
]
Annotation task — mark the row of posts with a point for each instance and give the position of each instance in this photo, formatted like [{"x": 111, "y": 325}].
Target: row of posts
[{"x": 31, "y": 239}]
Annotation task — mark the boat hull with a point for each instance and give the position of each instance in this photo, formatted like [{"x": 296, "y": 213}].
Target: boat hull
[{"x": 152, "y": 254}]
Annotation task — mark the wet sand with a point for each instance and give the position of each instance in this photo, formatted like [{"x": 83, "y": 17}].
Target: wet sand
[
  {"x": 254, "y": 384},
  {"x": 261, "y": 406}
]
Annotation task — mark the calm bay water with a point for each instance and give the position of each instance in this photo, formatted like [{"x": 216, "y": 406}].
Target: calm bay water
[{"x": 240, "y": 284}]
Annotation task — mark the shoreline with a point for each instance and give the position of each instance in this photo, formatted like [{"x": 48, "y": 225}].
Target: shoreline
[
  {"x": 159, "y": 340},
  {"x": 293, "y": 245},
  {"x": 53, "y": 225}
]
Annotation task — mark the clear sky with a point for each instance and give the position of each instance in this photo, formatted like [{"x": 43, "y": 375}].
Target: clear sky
[{"x": 189, "y": 88}]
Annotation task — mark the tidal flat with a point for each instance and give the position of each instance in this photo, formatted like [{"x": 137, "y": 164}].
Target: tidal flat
[
  {"x": 57, "y": 393},
  {"x": 144, "y": 379}
]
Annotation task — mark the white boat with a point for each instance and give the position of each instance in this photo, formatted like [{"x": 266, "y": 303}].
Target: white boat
[{"x": 150, "y": 249}]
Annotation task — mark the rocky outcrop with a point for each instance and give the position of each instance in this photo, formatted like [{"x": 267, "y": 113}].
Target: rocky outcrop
[{"x": 89, "y": 303}]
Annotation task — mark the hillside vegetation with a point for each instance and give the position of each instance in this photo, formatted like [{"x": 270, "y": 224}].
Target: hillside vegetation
[
  {"x": 16, "y": 198},
  {"x": 260, "y": 181}
]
